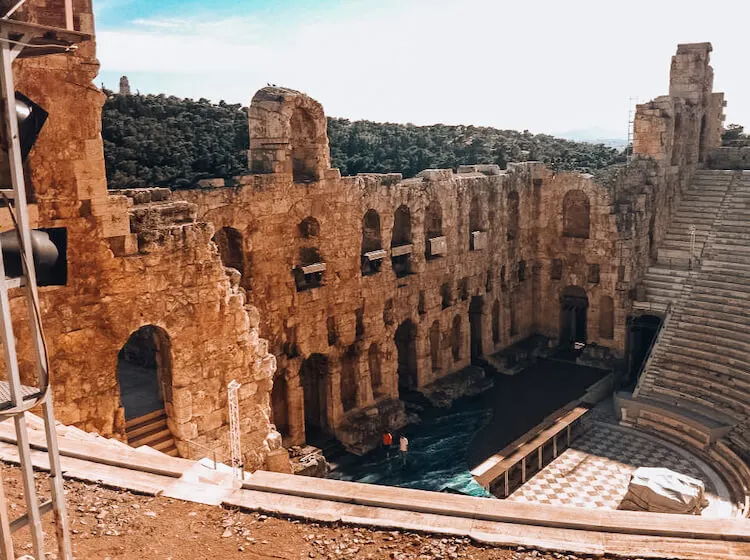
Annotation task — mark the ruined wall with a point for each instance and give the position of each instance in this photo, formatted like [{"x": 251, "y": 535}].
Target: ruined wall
[
  {"x": 502, "y": 273},
  {"x": 678, "y": 132},
  {"x": 124, "y": 273}
]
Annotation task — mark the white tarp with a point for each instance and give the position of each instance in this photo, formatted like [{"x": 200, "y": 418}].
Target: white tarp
[{"x": 664, "y": 491}]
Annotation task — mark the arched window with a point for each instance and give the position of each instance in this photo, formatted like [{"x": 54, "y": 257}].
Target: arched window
[
  {"x": 229, "y": 242},
  {"x": 446, "y": 295},
  {"x": 576, "y": 214},
  {"x": 401, "y": 242},
  {"x": 304, "y": 152},
  {"x": 456, "y": 338},
  {"x": 376, "y": 375},
  {"x": 309, "y": 272},
  {"x": 372, "y": 254},
  {"x": 279, "y": 408},
  {"x": 433, "y": 229},
  {"x": 513, "y": 215},
  {"x": 606, "y": 318},
  {"x": 406, "y": 345}
]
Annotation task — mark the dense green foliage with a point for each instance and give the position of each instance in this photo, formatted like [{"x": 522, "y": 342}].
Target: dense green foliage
[
  {"x": 155, "y": 140},
  {"x": 734, "y": 135}
]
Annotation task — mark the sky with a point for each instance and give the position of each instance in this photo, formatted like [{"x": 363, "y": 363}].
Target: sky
[{"x": 552, "y": 66}]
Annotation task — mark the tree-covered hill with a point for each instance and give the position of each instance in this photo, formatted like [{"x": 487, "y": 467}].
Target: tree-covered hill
[{"x": 158, "y": 140}]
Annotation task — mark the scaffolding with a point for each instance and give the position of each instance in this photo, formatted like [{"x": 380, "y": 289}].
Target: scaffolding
[{"x": 24, "y": 40}]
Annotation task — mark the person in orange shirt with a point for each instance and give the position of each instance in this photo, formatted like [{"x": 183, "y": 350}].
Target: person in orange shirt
[{"x": 387, "y": 443}]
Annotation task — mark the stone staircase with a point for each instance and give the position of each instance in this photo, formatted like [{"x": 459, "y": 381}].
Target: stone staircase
[
  {"x": 152, "y": 430},
  {"x": 701, "y": 206}
]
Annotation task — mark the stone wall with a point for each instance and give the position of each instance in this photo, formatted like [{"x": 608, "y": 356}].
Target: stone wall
[
  {"x": 731, "y": 157},
  {"x": 124, "y": 273},
  {"x": 515, "y": 240}
]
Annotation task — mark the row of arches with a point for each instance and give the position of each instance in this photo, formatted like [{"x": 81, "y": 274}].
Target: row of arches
[{"x": 309, "y": 271}]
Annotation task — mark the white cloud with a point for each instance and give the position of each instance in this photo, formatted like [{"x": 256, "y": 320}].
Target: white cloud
[{"x": 546, "y": 66}]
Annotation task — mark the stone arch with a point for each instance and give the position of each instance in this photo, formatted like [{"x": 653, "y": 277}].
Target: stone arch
[
  {"x": 288, "y": 134},
  {"x": 376, "y": 372},
  {"x": 606, "y": 317},
  {"x": 433, "y": 225},
  {"x": 305, "y": 277},
  {"x": 574, "y": 304},
  {"x": 514, "y": 215},
  {"x": 314, "y": 378},
  {"x": 496, "y": 322},
  {"x": 144, "y": 371},
  {"x": 435, "y": 345},
  {"x": 371, "y": 242},
  {"x": 456, "y": 338},
  {"x": 401, "y": 242},
  {"x": 576, "y": 214},
  {"x": 406, "y": 345},
  {"x": 231, "y": 248},
  {"x": 348, "y": 384}
]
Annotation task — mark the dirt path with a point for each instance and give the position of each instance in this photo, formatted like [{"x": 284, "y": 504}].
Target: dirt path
[{"x": 112, "y": 525}]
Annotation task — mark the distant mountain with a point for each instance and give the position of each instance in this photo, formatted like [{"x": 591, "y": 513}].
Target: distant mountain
[{"x": 595, "y": 135}]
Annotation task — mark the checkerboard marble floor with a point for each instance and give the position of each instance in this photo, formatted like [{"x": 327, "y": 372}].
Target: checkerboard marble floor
[{"x": 595, "y": 470}]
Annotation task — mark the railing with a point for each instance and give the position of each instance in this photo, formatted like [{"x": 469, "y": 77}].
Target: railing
[{"x": 205, "y": 448}]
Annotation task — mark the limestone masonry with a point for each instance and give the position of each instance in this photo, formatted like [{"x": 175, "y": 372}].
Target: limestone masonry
[{"x": 327, "y": 297}]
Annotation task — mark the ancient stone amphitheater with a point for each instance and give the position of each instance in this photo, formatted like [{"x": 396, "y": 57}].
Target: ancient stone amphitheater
[{"x": 333, "y": 300}]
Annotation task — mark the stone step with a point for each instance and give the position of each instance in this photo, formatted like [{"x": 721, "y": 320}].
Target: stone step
[
  {"x": 708, "y": 376},
  {"x": 714, "y": 310},
  {"x": 661, "y": 272},
  {"x": 700, "y": 362},
  {"x": 151, "y": 439},
  {"x": 711, "y": 338},
  {"x": 730, "y": 355},
  {"x": 718, "y": 264},
  {"x": 145, "y": 419},
  {"x": 687, "y": 392},
  {"x": 709, "y": 322},
  {"x": 725, "y": 289},
  {"x": 711, "y": 389}
]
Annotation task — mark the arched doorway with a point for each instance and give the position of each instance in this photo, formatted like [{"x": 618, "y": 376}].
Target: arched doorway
[
  {"x": 314, "y": 380},
  {"x": 433, "y": 226},
  {"x": 143, "y": 366},
  {"x": 642, "y": 330},
  {"x": 406, "y": 344},
  {"x": 144, "y": 375},
  {"x": 279, "y": 408},
  {"x": 456, "y": 338},
  {"x": 475, "y": 326},
  {"x": 348, "y": 383},
  {"x": 229, "y": 242},
  {"x": 376, "y": 374},
  {"x": 435, "y": 345},
  {"x": 574, "y": 306}
]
